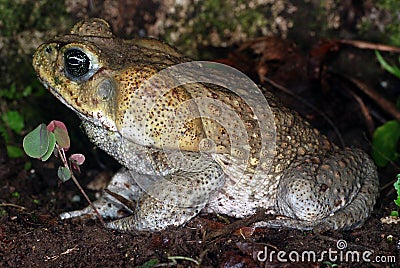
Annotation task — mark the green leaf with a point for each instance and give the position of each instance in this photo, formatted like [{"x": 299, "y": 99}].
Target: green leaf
[
  {"x": 394, "y": 213},
  {"x": 390, "y": 68},
  {"x": 384, "y": 143},
  {"x": 329, "y": 264},
  {"x": 63, "y": 173},
  {"x": 14, "y": 151},
  {"x": 149, "y": 264},
  {"x": 52, "y": 144},
  {"x": 9, "y": 93},
  {"x": 27, "y": 91},
  {"x": 4, "y": 133},
  {"x": 36, "y": 142},
  {"x": 13, "y": 120},
  {"x": 397, "y": 187},
  {"x": 397, "y": 184},
  {"x": 28, "y": 165},
  {"x": 3, "y": 213}
]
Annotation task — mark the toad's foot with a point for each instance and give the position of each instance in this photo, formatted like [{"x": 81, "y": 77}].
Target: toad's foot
[
  {"x": 108, "y": 206},
  {"x": 160, "y": 201}
]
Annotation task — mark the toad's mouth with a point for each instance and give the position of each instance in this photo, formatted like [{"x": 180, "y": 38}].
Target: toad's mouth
[
  {"x": 96, "y": 118},
  {"x": 63, "y": 100},
  {"x": 57, "y": 95}
]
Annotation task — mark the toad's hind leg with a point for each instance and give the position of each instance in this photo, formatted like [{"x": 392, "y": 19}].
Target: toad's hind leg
[
  {"x": 108, "y": 206},
  {"x": 340, "y": 195},
  {"x": 173, "y": 199}
]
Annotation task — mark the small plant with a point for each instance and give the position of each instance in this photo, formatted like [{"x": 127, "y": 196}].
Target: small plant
[
  {"x": 390, "y": 68},
  {"x": 149, "y": 264},
  {"x": 330, "y": 264},
  {"x": 41, "y": 142},
  {"x": 386, "y": 137},
  {"x": 11, "y": 120},
  {"x": 384, "y": 143},
  {"x": 397, "y": 187}
]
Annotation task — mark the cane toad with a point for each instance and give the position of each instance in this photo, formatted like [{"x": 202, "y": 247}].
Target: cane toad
[{"x": 189, "y": 147}]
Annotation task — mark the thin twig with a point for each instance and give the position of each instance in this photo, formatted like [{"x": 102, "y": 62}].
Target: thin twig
[
  {"x": 12, "y": 205},
  {"x": 386, "y": 105},
  {"x": 259, "y": 216},
  {"x": 87, "y": 198},
  {"x": 365, "y": 112},
  {"x": 389, "y": 184},
  {"x": 132, "y": 205},
  {"x": 371, "y": 46},
  {"x": 65, "y": 162},
  {"x": 68, "y": 251}
]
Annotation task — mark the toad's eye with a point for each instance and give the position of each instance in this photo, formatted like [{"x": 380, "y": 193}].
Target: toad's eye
[{"x": 77, "y": 63}]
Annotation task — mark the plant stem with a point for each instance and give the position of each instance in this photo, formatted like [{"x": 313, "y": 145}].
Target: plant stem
[
  {"x": 87, "y": 198},
  {"x": 61, "y": 152}
]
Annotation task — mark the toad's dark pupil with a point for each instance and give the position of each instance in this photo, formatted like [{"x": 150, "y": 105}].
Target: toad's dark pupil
[{"x": 76, "y": 62}]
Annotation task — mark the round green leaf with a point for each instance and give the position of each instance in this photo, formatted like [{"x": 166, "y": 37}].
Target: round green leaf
[
  {"x": 64, "y": 174},
  {"x": 14, "y": 151},
  {"x": 52, "y": 144},
  {"x": 397, "y": 187},
  {"x": 14, "y": 120},
  {"x": 36, "y": 142},
  {"x": 384, "y": 143}
]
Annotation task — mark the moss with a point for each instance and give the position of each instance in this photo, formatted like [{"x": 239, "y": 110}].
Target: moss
[
  {"x": 383, "y": 22},
  {"x": 392, "y": 29},
  {"x": 223, "y": 23},
  {"x": 19, "y": 15},
  {"x": 23, "y": 26}
]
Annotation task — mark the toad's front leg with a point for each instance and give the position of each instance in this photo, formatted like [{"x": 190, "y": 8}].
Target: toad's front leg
[
  {"x": 121, "y": 183},
  {"x": 173, "y": 199}
]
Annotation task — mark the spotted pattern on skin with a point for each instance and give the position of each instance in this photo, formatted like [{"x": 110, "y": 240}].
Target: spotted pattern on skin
[{"x": 198, "y": 147}]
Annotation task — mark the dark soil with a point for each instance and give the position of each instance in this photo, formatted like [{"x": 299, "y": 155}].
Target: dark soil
[{"x": 31, "y": 235}]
